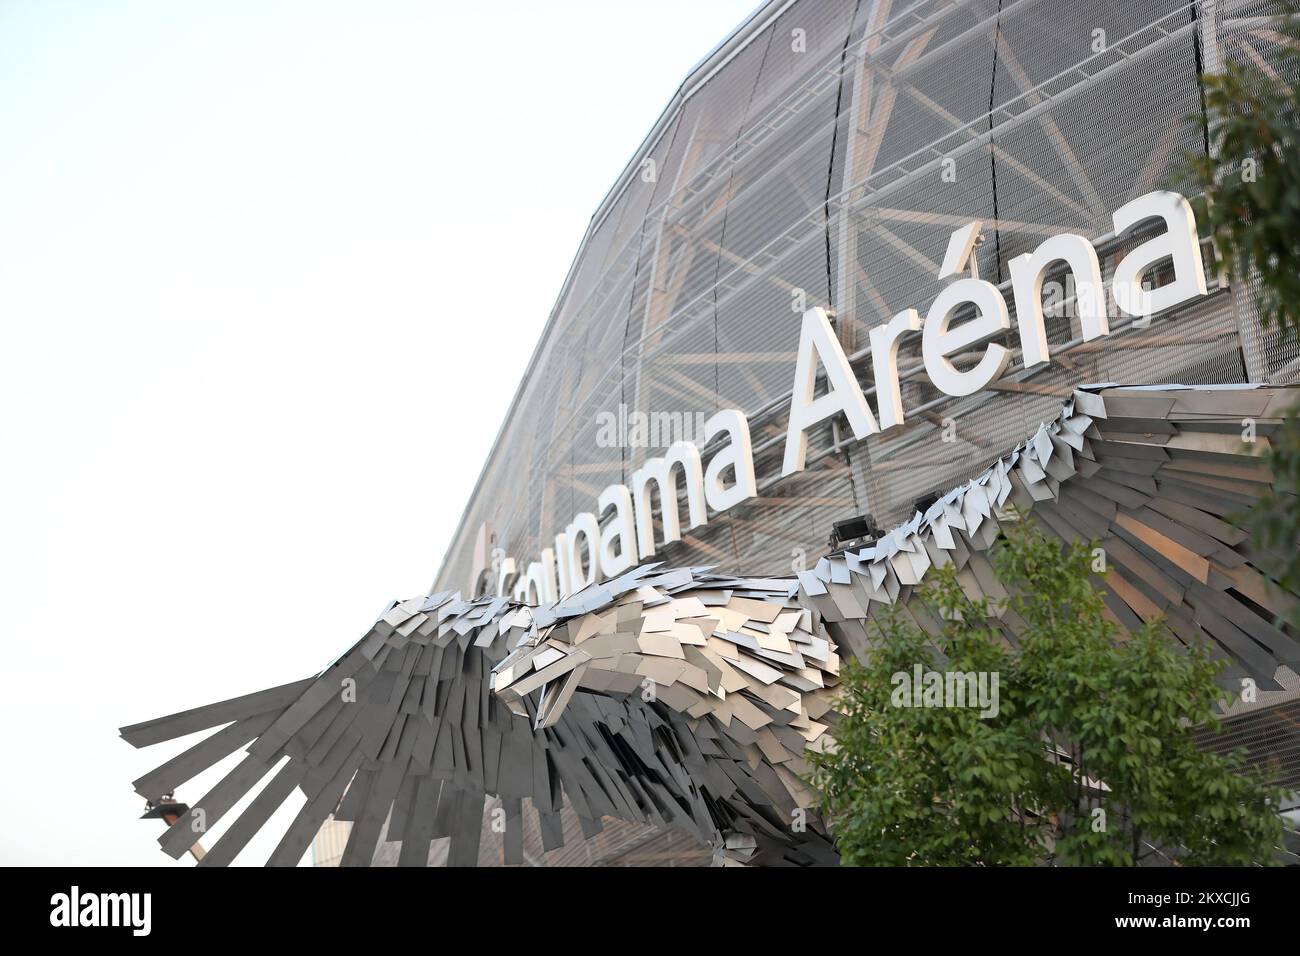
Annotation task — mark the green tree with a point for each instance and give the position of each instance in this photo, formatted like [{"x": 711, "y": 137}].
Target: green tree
[
  {"x": 1251, "y": 201},
  {"x": 1088, "y": 760}
]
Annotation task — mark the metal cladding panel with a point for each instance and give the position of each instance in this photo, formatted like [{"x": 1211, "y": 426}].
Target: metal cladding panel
[
  {"x": 915, "y": 96},
  {"x": 675, "y": 326},
  {"x": 774, "y": 259},
  {"x": 618, "y": 843},
  {"x": 1078, "y": 152},
  {"x": 596, "y": 465}
]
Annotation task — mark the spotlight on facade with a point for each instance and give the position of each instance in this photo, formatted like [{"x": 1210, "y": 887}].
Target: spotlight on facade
[
  {"x": 925, "y": 502},
  {"x": 857, "y": 532},
  {"x": 169, "y": 810}
]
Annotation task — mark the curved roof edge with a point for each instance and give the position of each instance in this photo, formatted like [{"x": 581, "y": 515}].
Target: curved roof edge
[{"x": 701, "y": 73}]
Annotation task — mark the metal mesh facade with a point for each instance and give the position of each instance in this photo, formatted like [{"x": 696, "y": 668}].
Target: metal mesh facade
[{"x": 821, "y": 156}]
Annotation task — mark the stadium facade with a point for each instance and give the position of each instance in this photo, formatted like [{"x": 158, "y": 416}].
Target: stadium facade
[{"x": 822, "y": 158}]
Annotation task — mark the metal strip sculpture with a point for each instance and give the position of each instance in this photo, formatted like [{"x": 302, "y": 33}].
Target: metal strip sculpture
[{"x": 691, "y": 698}]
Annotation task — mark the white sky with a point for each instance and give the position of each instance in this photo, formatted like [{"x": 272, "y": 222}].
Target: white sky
[{"x": 269, "y": 274}]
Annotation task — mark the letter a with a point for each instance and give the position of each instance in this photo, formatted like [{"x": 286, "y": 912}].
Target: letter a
[
  {"x": 1178, "y": 243},
  {"x": 817, "y": 343}
]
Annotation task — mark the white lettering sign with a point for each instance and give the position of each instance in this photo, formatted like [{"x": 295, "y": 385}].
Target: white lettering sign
[{"x": 966, "y": 314}]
